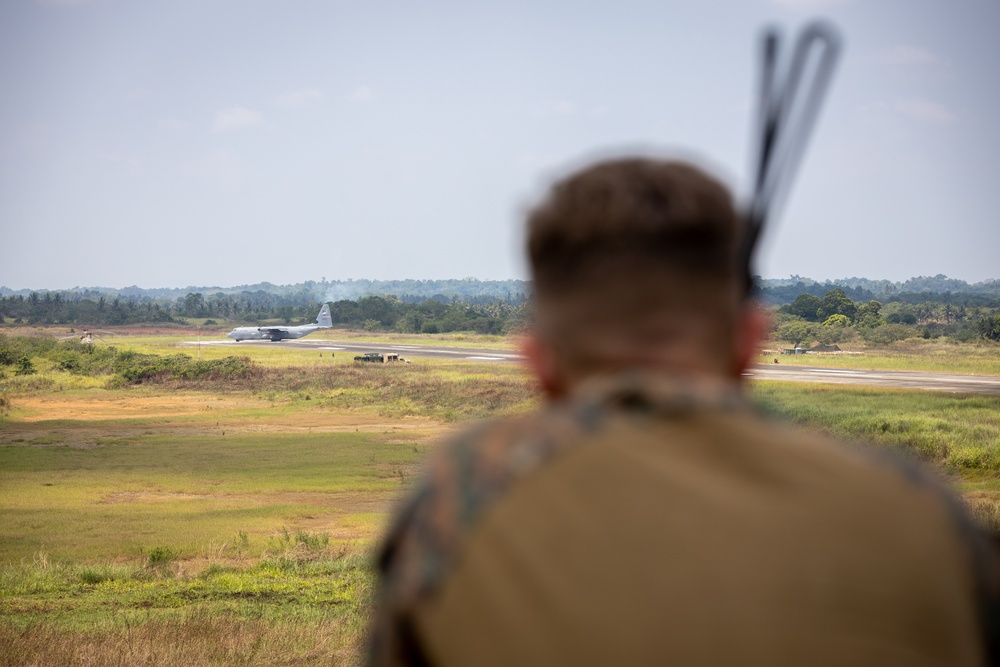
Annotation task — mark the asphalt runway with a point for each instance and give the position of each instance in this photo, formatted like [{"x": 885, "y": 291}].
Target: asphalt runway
[
  {"x": 946, "y": 382},
  {"x": 356, "y": 348}
]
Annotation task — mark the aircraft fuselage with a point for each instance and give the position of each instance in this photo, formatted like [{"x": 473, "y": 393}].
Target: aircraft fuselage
[
  {"x": 276, "y": 333},
  {"x": 271, "y": 333}
]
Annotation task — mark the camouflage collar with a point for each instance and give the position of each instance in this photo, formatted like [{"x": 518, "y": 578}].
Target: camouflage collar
[{"x": 655, "y": 392}]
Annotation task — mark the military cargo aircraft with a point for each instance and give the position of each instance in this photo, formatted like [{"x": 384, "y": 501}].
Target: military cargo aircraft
[{"x": 276, "y": 333}]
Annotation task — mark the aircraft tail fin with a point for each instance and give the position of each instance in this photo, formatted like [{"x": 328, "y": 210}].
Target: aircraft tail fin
[{"x": 323, "y": 319}]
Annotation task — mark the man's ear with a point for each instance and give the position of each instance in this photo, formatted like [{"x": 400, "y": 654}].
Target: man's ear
[
  {"x": 542, "y": 363},
  {"x": 750, "y": 329}
]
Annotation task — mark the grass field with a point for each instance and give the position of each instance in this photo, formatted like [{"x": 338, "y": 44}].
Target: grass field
[
  {"x": 150, "y": 525},
  {"x": 940, "y": 356},
  {"x": 936, "y": 355},
  {"x": 193, "y": 523},
  {"x": 299, "y": 604},
  {"x": 171, "y": 336},
  {"x": 957, "y": 432},
  {"x": 213, "y": 523}
]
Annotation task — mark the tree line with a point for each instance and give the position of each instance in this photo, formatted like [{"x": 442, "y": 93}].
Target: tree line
[
  {"x": 804, "y": 309},
  {"x": 776, "y": 292},
  {"x": 835, "y": 317},
  {"x": 373, "y": 313},
  {"x": 772, "y": 291},
  {"x": 470, "y": 290}
]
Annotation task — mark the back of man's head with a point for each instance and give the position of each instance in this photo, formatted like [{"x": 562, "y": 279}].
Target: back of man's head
[{"x": 635, "y": 262}]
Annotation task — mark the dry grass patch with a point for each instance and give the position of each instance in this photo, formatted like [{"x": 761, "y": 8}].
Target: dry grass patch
[
  {"x": 101, "y": 405},
  {"x": 206, "y": 640},
  {"x": 95, "y": 417}
]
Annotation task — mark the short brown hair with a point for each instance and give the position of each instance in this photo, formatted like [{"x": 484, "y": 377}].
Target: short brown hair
[{"x": 628, "y": 250}]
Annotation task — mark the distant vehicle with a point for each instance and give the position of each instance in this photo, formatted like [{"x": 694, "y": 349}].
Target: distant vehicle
[
  {"x": 380, "y": 358},
  {"x": 277, "y": 333}
]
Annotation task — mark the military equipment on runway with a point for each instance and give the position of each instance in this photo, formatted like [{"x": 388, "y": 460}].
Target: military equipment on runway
[
  {"x": 278, "y": 333},
  {"x": 379, "y": 357}
]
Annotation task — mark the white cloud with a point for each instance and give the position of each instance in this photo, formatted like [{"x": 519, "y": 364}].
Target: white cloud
[
  {"x": 909, "y": 55},
  {"x": 361, "y": 94},
  {"x": 235, "y": 118},
  {"x": 130, "y": 164},
  {"x": 170, "y": 124},
  {"x": 298, "y": 98},
  {"x": 809, "y": 5},
  {"x": 924, "y": 110}
]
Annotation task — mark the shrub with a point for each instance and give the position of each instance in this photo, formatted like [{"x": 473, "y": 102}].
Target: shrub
[
  {"x": 888, "y": 334},
  {"x": 159, "y": 556},
  {"x": 25, "y": 367}
]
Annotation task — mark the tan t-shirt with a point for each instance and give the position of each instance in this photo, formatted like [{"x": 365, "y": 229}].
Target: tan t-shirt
[{"x": 647, "y": 522}]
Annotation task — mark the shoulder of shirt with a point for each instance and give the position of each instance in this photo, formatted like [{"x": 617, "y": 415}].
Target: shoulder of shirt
[{"x": 463, "y": 477}]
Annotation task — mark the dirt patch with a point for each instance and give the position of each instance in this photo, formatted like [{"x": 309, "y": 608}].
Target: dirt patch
[
  {"x": 98, "y": 434},
  {"x": 161, "y": 329},
  {"x": 403, "y": 431},
  {"x": 120, "y": 497},
  {"x": 189, "y": 414},
  {"x": 100, "y": 407},
  {"x": 344, "y": 517}
]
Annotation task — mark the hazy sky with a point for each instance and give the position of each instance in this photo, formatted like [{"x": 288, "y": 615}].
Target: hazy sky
[{"x": 222, "y": 142}]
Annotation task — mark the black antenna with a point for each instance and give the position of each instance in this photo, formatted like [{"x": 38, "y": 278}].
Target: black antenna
[{"x": 786, "y": 119}]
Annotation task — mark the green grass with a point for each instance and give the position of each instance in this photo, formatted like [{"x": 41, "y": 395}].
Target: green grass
[
  {"x": 221, "y": 523},
  {"x": 447, "y": 390},
  {"x": 159, "y": 548},
  {"x": 246, "y": 512},
  {"x": 188, "y": 492},
  {"x": 294, "y": 582},
  {"x": 277, "y": 355},
  {"x": 454, "y": 339},
  {"x": 939, "y": 356},
  {"x": 958, "y": 432},
  {"x": 299, "y": 604},
  {"x": 171, "y": 339}
]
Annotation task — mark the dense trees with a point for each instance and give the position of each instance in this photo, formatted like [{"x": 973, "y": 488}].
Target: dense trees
[
  {"x": 869, "y": 315},
  {"x": 374, "y": 313},
  {"x": 805, "y": 306},
  {"x": 835, "y": 317},
  {"x": 989, "y": 328},
  {"x": 808, "y": 311},
  {"x": 442, "y": 304},
  {"x": 835, "y": 302},
  {"x": 429, "y": 316},
  {"x": 795, "y": 332}
]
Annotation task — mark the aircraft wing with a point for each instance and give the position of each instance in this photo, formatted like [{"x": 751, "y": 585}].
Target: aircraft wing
[{"x": 272, "y": 330}]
